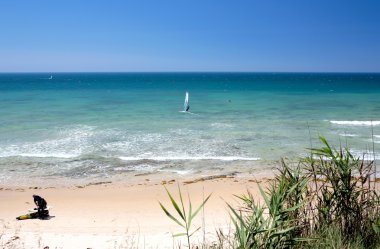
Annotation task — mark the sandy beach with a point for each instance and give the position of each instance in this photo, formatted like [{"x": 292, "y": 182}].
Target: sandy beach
[
  {"x": 116, "y": 215},
  {"x": 113, "y": 111}
]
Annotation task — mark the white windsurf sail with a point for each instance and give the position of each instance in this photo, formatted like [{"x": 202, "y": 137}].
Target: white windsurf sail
[{"x": 186, "y": 106}]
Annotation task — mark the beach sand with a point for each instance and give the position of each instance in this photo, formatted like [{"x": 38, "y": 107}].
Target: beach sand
[{"x": 117, "y": 215}]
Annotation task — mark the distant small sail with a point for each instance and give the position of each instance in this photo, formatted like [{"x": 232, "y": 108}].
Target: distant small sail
[
  {"x": 51, "y": 77},
  {"x": 186, "y": 105}
]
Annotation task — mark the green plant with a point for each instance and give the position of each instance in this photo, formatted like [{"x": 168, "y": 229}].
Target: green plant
[
  {"x": 342, "y": 193},
  {"x": 331, "y": 237},
  {"x": 249, "y": 222},
  {"x": 278, "y": 228},
  {"x": 185, "y": 218},
  {"x": 329, "y": 188}
]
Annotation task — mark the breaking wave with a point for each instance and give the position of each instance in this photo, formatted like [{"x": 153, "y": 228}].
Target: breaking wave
[
  {"x": 220, "y": 158},
  {"x": 356, "y": 123}
]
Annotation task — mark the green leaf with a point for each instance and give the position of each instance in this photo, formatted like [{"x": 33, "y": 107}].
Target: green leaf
[
  {"x": 171, "y": 216},
  {"x": 199, "y": 208},
  {"x": 293, "y": 208},
  {"x": 183, "y": 206},
  {"x": 190, "y": 211},
  {"x": 175, "y": 205},
  {"x": 375, "y": 228},
  {"x": 194, "y": 231},
  {"x": 264, "y": 195},
  {"x": 281, "y": 232},
  {"x": 238, "y": 216},
  {"x": 179, "y": 234}
]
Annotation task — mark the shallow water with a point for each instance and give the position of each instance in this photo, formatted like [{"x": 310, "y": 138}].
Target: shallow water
[{"x": 81, "y": 126}]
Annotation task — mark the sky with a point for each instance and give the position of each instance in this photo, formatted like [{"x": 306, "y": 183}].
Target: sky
[{"x": 190, "y": 36}]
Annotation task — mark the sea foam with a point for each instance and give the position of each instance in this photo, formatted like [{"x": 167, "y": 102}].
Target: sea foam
[
  {"x": 179, "y": 158},
  {"x": 347, "y": 135},
  {"x": 356, "y": 123},
  {"x": 63, "y": 143},
  {"x": 47, "y": 155}
]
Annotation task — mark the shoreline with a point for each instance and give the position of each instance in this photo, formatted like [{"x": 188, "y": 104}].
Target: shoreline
[
  {"x": 117, "y": 215},
  {"x": 134, "y": 178}
]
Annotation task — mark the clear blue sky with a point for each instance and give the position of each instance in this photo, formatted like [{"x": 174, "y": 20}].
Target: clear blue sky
[{"x": 190, "y": 35}]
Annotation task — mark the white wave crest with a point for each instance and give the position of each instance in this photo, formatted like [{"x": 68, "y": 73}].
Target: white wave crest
[
  {"x": 144, "y": 167},
  {"x": 347, "y": 135},
  {"x": 366, "y": 155},
  {"x": 46, "y": 155},
  {"x": 221, "y": 125},
  {"x": 63, "y": 143},
  {"x": 182, "y": 158},
  {"x": 179, "y": 172},
  {"x": 356, "y": 123}
]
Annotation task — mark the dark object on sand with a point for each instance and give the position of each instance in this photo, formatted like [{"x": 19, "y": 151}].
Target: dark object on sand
[
  {"x": 41, "y": 212},
  {"x": 41, "y": 206}
]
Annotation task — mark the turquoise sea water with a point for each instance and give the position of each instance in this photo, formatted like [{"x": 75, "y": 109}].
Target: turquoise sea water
[{"x": 96, "y": 125}]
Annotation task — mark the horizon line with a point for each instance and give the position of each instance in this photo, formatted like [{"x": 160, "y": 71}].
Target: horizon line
[{"x": 173, "y": 72}]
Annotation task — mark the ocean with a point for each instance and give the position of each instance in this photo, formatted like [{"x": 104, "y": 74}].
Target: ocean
[{"x": 86, "y": 126}]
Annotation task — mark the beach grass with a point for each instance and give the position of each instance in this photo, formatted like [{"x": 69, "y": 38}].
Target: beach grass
[
  {"x": 328, "y": 200},
  {"x": 185, "y": 218}
]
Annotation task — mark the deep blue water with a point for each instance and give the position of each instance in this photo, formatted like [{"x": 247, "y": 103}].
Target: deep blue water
[{"x": 80, "y": 125}]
